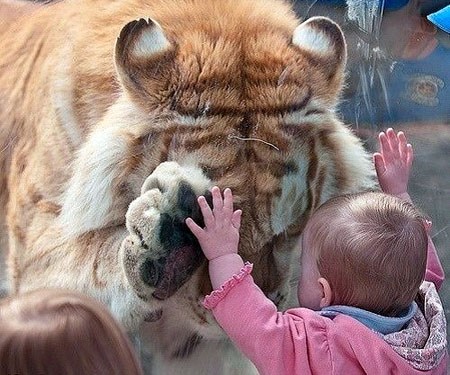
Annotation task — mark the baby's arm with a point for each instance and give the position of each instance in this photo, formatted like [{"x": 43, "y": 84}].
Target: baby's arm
[
  {"x": 248, "y": 317},
  {"x": 393, "y": 165},
  {"x": 434, "y": 272}
]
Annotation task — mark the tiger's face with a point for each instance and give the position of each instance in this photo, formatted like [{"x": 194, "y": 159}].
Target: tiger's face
[
  {"x": 252, "y": 107},
  {"x": 241, "y": 105}
]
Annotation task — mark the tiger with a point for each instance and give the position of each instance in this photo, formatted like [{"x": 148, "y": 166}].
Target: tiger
[{"x": 116, "y": 115}]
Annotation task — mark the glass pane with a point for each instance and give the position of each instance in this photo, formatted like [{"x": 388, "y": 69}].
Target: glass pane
[{"x": 399, "y": 76}]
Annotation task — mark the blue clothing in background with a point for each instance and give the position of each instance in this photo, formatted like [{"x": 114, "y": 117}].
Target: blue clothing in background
[{"x": 417, "y": 91}]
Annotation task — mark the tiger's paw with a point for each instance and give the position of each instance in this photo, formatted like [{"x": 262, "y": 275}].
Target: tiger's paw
[{"x": 161, "y": 254}]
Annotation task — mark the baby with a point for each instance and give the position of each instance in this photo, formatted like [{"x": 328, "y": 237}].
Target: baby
[{"x": 367, "y": 290}]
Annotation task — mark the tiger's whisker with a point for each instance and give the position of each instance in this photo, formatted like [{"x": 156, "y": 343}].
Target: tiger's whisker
[{"x": 230, "y": 136}]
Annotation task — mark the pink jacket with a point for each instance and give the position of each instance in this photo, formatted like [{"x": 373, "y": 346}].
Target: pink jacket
[{"x": 301, "y": 341}]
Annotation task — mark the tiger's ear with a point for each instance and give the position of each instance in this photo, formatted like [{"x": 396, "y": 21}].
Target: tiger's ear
[
  {"x": 143, "y": 55},
  {"x": 324, "y": 40}
]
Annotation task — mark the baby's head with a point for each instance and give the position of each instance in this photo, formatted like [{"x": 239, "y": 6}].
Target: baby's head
[
  {"x": 50, "y": 331},
  {"x": 371, "y": 250}
]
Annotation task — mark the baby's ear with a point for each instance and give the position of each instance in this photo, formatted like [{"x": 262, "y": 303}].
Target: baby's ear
[
  {"x": 324, "y": 41},
  {"x": 143, "y": 56},
  {"x": 327, "y": 293}
]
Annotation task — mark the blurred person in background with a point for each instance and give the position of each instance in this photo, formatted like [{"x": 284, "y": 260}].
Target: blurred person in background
[{"x": 55, "y": 332}]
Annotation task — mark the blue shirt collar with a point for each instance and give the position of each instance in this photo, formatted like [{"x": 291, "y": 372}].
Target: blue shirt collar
[{"x": 378, "y": 323}]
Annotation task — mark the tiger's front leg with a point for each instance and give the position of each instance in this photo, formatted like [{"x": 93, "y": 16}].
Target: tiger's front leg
[{"x": 161, "y": 254}]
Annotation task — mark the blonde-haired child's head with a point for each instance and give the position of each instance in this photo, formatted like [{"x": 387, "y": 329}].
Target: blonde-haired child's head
[
  {"x": 53, "y": 332},
  {"x": 371, "y": 250}
]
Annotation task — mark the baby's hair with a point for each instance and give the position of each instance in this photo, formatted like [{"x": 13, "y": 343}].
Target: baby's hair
[
  {"x": 54, "y": 332},
  {"x": 372, "y": 249}
]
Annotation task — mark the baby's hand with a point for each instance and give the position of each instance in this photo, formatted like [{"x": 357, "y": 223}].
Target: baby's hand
[
  {"x": 221, "y": 233},
  {"x": 393, "y": 162}
]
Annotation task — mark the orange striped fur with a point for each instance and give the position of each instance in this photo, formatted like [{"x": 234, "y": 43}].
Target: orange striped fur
[{"x": 233, "y": 91}]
